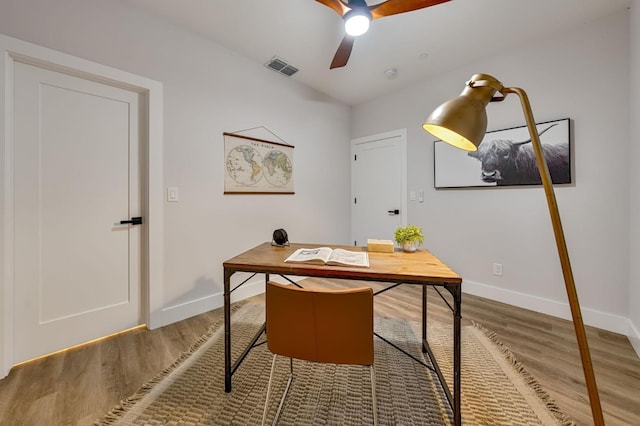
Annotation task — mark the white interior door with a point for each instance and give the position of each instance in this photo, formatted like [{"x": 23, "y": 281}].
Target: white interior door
[
  {"x": 378, "y": 186},
  {"x": 76, "y": 175}
]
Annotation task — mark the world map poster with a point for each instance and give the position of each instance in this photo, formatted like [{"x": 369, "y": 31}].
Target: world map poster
[{"x": 257, "y": 166}]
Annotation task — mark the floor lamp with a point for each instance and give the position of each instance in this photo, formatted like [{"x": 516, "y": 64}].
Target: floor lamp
[{"x": 462, "y": 122}]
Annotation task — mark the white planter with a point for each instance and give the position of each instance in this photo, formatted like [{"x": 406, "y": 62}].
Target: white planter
[{"x": 409, "y": 247}]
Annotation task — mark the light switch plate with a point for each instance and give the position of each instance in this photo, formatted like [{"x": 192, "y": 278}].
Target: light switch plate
[{"x": 173, "y": 194}]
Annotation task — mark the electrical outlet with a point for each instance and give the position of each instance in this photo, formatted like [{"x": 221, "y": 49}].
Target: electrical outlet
[{"x": 497, "y": 269}]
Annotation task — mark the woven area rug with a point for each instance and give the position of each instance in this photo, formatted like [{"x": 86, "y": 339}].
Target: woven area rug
[{"x": 496, "y": 390}]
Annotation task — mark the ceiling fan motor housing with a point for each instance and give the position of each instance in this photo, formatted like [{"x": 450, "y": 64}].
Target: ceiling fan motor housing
[{"x": 359, "y": 9}]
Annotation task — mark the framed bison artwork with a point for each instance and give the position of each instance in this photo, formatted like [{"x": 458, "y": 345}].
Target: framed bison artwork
[{"x": 505, "y": 158}]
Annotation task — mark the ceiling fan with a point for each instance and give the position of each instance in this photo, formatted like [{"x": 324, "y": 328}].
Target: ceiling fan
[{"x": 357, "y": 16}]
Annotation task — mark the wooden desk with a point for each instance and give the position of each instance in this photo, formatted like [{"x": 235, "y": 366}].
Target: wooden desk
[{"x": 419, "y": 268}]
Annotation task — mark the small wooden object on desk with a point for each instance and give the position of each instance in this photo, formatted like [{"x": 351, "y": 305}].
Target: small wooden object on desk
[{"x": 380, "y": 246}]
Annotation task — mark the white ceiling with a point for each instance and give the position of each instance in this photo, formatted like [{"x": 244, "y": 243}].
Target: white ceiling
[{"x": 418, "y": 44}]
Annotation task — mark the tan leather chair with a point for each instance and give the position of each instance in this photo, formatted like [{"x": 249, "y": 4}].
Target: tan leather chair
[{"x": 329, "y": 326}]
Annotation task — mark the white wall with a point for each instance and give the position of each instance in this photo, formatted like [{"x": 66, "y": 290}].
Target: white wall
[
  {"x": 582, "y": 74},
  {"x": 208, "y": 90},
  {"x": 634, "y": 179}
]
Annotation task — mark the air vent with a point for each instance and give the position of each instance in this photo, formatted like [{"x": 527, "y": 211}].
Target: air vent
[{"x": 281, "y": 66}]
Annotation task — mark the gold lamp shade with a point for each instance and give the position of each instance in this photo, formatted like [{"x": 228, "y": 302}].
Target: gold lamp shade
[{"x": 462, "y": 121}]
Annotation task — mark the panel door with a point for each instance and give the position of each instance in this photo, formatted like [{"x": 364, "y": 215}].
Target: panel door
[
  {"x": 76, "y": 175},
  {"x": 378, "y": 182}
]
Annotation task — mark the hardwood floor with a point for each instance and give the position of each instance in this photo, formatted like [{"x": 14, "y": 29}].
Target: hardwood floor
[{"x": 80, "y": 385}]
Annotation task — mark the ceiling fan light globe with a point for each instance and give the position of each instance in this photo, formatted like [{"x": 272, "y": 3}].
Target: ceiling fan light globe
[{"x": 356, "y": 24}]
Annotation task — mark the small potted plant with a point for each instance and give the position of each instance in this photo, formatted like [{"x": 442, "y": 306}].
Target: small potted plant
[{"x": 409, "y": 237}]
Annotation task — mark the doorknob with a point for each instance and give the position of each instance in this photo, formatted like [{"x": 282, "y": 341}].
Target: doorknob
[
  {"x": 394, "y": 212},
  {"x": 133, "y": 221}
]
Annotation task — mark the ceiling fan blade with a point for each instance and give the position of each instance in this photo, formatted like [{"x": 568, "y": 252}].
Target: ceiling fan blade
[
  {"x": 336, "y": 5},
  {"x": 393, "y": 7},
  {"x": 344, "y": 51}
]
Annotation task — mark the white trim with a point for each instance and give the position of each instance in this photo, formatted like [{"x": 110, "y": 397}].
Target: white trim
[
  {"x": 12, "y": 50},
  {"x": 633, "y": 333},
  {"x": 178, "y": 312},
  {"x": 6, "y": 232},
  {"x": 253, "y": 287},
  {"x": 602, "y": 320},
  {"x": 155, "y": 207}
]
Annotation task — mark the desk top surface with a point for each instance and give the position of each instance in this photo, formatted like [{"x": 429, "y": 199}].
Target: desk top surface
[{"x": 418, "y": 267}]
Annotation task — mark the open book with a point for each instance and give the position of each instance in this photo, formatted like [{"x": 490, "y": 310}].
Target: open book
[{"x": 328, "y": 256}]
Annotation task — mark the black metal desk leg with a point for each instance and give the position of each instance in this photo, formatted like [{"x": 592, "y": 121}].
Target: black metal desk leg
[
  {"x": 457, "y": 296},
  {"x": 227, "y": 330},
  {"x": 424, "y": 318}
]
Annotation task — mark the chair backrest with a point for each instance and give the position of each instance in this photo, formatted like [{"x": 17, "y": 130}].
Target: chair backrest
[{"x": 332, "y": 326}]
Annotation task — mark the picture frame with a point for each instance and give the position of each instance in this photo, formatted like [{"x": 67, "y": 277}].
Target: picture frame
[
  {"x": 257, "y": 166},
  {"x": 506, "y": 158}
]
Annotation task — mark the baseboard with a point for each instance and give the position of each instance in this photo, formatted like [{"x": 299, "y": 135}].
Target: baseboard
[
  {"x": 4, "y": 372},
  {"x": 591, "y": 317},
  {"x": 602, "y": 320},
  {"x": 179, "y": 312},
  {"x": 634, "y": 337}
]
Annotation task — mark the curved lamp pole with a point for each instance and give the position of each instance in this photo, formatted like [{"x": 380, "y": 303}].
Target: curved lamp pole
[{"x": 462, "y": 122}]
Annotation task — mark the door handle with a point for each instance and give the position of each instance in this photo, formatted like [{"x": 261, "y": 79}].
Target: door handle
[
  {"x": 133, "y": 221},
  {"x": 394, "y": 212}
]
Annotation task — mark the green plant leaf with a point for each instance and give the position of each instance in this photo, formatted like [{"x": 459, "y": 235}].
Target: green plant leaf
[{"x": 409, "y": 233}]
